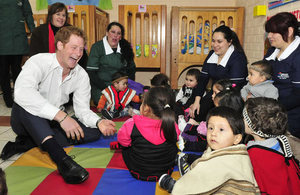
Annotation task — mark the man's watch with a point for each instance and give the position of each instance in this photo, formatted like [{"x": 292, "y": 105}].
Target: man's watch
[{"x": 100, "y": 119}]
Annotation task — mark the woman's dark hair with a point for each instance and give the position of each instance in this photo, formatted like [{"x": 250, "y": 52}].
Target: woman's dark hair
[
  {"x": 161, "y": 101},
  {"x": 234, "y": 118},
  {"x": 280, "y": 23},
  {"x": 232, "y": 37},
  {"x": 160, "y": 80},
  {"x": 54, "y": 8},
  {"x": 3, "y": 186},
  {"x": 194, "y": 72},
  {"x": 231, "y": 99},
  {"x": 110, "y": 25},
  {"x": 267, "y": 115},
  {"x": 224, "y": 84},
  {"x": 126, "y": 49}
]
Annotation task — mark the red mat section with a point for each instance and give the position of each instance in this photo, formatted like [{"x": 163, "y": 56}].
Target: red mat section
[
  {"x": 122, "y": 119},
  {"x": 117, "y": 161},
  {"x": 54, "y": 184}
]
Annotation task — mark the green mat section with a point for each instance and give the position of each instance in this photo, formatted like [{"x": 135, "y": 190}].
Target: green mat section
[
  {"x": 23, "y": 180},
  {"x": 92, "y": 157},
  {"x": 119, "y": 125}
]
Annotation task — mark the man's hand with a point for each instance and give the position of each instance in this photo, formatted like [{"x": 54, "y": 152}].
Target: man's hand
[
  {"x": 107, "y": 127},
  {"x": 72, "y": 128}
]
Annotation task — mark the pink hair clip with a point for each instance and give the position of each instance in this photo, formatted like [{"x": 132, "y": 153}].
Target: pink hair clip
[{"x": 233, "y": 85}]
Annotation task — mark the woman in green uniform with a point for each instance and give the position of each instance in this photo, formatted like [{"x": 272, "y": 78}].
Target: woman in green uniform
[
  {"x": 111, "y": 54},
  {"x": 14, "y": 42}
]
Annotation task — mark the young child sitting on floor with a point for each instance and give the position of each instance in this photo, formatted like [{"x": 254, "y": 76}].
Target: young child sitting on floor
[
  {"x": 115, "y": 99},
  {"x": 220, "y": 85},
  {"x": 198, "y": 143},
  {"x": 149, "y": 140},
  {"x": 193, "y": 128},
  {"x": 224, "y": 166},
  {"x": 162, "y": 80},
  {"x": 259, "y": 83},
  {"x": 185, "y": 97},
  {"x": 274, "y": 166}
]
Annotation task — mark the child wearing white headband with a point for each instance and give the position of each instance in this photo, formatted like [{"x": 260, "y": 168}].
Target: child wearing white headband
[{"x": 275, "y": 168}]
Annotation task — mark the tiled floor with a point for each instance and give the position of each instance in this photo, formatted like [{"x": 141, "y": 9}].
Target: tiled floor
[{"x": 6, "y": 134}]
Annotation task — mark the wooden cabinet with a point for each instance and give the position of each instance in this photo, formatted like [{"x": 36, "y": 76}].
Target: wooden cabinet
[
  {"x": 192, "y": 29},
  {"x": 145, "y": 29},
  {"x": 92, "y": 20}
]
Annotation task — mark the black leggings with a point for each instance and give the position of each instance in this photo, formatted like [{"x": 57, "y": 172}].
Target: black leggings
[{"x": 206, "y": 104}]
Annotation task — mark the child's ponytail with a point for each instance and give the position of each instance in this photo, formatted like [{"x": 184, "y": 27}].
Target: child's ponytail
[
  {"x": 168, "y": 123},
  {"x": 162, "y": 101}
]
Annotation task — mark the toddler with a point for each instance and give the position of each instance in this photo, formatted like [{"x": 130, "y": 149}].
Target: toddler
[
  {"x": 149, "y": 140},
  {"x": 185, "y": 95},
  {"x": 259, "y": 83},
  {"x": 220, "y": 85},
  {"x": 224, "y": 166},
  {"x": 274, "y": 166},
  {"x": 115, "y": 99},
  {"x": 160, "y": 80},
  {"x": 198, "y": 143}
]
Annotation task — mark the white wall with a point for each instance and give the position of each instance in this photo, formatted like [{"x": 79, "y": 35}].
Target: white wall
[{"x": 254, "y": 26}]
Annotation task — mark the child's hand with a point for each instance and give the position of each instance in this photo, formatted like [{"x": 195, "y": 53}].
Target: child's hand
[
  {"x": 114, "y": 145},
  {"x": 99, "y": 109},
  {"x": 249, "y": 95},
  {"x": 193, "y": 122}
]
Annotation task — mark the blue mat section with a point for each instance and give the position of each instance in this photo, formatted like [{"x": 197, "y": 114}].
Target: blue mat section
[
  {"x": 103, "y": 142},
  {"x": 120, "y": 182}
]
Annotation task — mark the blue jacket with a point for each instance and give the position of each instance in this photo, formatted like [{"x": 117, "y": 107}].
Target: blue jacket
[
  {"x": 235, "y": 70},
  {"x": 286, "y": 76}
]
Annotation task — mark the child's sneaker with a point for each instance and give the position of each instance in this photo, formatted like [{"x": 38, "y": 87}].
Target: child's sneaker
[
  {"x": 166, "y": 182},
  {"x": 181, "y": 123},
  {"x": 182, "y": 163},
  {"x": 180, "y": 143}
]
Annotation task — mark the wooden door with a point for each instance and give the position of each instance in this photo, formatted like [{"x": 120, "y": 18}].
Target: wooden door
[
  {"x": 192, "y": 30},
  {"x": 145, "y": 29}
]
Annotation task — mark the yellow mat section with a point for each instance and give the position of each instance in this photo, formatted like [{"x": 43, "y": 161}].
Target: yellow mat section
[
  {"x": 37, "y": 158},
  {"x": 160, "y": 191}
]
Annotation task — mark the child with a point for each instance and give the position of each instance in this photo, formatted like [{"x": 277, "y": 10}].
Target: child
[
  {"x": 197, "y": 143},
  {"x": 160, "y": 80},
  {"x": 224, "y": 166},
  {"x": 149, "y": 139},
  {"x": 220, "y": 85},
  {"x": 184, "y": 97},
  {"x": 259, "y": 84},
  {"x": 115, "y": 99},
  {"x": 274, "y": 166}
]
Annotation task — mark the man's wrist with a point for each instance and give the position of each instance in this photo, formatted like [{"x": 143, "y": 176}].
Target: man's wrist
[
  {"x": 98, "y": 121},
  {"x": 63, "y": 119}
]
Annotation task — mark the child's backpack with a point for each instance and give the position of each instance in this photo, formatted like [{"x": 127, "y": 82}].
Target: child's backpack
[{"x": 274, "y": 173}]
